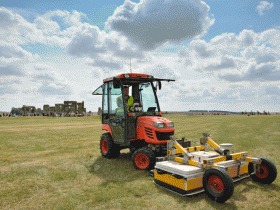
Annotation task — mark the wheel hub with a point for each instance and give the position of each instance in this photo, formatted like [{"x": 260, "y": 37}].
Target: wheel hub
[
  {"x": 142, "y": 161},
  {"x": 104, "y": 146},
  {"x": 216, "y": 184},
  {"x": 263, "y": 172}
]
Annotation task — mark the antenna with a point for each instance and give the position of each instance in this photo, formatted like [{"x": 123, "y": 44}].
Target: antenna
[{"x": 130, "y": 66}]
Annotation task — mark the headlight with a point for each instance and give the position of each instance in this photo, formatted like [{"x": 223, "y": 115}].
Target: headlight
[
  {"x": 159, "y": 125},
  {"x": 171, "y": 125}
]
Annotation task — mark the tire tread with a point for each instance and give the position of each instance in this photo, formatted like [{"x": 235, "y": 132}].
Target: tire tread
[
  {"x": 227, "y": 181},
  {"x": 113, "y": 149}
]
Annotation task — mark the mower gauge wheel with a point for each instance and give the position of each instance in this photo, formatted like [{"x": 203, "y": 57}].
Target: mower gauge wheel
[
  {"x": 267, "y": 173},
  {"x": 218, "y": 184}
]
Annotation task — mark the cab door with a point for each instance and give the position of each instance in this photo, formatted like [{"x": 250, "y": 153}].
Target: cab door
[{"x": 117, "y": 119}]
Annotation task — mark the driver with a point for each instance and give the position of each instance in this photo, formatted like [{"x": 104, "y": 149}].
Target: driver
[
  {"x": 119, "y": 110},
  {"x": 128, "y": 100}
]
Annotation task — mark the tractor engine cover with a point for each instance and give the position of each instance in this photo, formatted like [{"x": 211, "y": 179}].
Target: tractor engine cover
[{"x": 145, "y": 128}]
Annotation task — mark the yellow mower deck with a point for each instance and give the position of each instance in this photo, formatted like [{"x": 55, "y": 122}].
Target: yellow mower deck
[
  {"x": 187, "y": 180},
  {"x": 192, "y": 170}
]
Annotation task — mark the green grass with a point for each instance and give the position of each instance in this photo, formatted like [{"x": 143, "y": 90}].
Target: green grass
[{"x": 55, "y": 163}]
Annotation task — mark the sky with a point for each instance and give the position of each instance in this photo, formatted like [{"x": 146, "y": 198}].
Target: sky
[{"x": 224, "y": 55}]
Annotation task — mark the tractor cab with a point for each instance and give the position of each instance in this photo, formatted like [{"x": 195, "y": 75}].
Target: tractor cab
[{"x": 139, "y": 124}]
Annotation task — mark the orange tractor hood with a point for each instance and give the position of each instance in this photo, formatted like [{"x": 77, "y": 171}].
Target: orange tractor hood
[
  {"x": 152, "y": 135},
  {"x": 150, "y": 120}
]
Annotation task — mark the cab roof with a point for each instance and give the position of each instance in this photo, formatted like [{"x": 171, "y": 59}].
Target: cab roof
[{"x": 129, "y": 75}]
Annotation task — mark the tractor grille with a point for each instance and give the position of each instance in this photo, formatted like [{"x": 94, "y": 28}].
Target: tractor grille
[
  {"x": 149, "y": 132},
  {"x": 164, "y": 135}
]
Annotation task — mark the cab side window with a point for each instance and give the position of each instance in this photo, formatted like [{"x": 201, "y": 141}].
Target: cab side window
[
  {"x": 105, "y": 99},
  {"x": 116, "y": 102}
]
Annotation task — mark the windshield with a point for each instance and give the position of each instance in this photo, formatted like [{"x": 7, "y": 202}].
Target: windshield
[{"x": 147, "y": 97}]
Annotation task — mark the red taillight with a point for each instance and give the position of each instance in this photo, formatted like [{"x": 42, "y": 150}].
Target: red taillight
[{"x": 131, "y": 114}]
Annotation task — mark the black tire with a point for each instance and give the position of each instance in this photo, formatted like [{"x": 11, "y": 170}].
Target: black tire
[
  {"x": 268, "y": 172},
  {"x": 108, "y": 148},
  {"x": 218, "y": 184},
  {"x": 143, "y": 159}
]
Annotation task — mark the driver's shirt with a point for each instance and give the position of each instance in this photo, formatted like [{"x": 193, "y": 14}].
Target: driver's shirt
[{"x": 129, "y": 102}]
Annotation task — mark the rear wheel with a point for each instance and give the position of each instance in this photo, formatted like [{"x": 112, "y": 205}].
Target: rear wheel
[
  {"x": 267, "y": 173},
  {"x": 143, "y": 159},
  {"x": 218, "y": 184},
  {"x": 108, "y": 148}
]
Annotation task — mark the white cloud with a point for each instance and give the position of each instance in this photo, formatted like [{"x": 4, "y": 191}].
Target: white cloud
[
  {"x": 272, "y": 90},
  {"x": 10, "y": 50},
  {"x": 7, "y": 18},
  {"x": 7, "y": 90},
  {"x": 246, "y": 56},
  {"x": 161, "y": 71},
  {"x": 224, "y": 62},
  {"x": 229, "y": 72},
  {"x": 120, "y": 46},
  {"x": 107, "y": 62},
  {"x": 11, "y": 69},
  {"x": 74, "y": 18},
  {"x": 264, "y": 5},
  {"x": 43, "y": 77},
  {"x": 87, "y": 42},
  {"x": 246, "y": 37},
  {"x": 151, "y": 23},
  {"x": 55, "y": 89},
  {"x": 270, "y": 37},
  {"x": 7, "y": 85},
  {"x": 90, "y": 42},
  {"x": 48, "y": 27},
  {"x": 15, "y": 29}
]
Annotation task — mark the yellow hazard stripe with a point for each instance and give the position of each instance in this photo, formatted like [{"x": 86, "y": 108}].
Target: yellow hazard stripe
[
  {"x": 179, "y": 148},
  {"x": 220, "y": 159},
  {"x": 178, "y": 159},
  {"x": 191, "y": 149},
  {"x": 168, "y": 179},
  {"x": 237, "y": 155},
  {"x": 249, "y": 159},
  {"x": 213, "y": 144},
  {"x": 214, "y": 166},
  {"x": 192, "y": 162},
  {"x": 216, "y": 160}
]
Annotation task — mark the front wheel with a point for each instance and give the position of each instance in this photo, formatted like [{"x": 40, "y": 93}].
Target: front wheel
[
  {"x": 218, "y": 184},
  {"x": 108, "y": 148},
  {"x": 267, "y": 173},
  {"x": 143, "y": 159}
]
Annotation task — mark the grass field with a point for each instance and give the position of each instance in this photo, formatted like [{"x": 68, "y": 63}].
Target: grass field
[{"x": 55, "y": 163}]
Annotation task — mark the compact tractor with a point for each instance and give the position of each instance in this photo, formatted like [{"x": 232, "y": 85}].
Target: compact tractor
[
  {"x": 140, "y": 127},
  {"x": 176, "y": 165}
]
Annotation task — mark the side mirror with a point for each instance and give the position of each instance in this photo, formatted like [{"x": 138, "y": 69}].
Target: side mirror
[{"x": 116, "y": 82}]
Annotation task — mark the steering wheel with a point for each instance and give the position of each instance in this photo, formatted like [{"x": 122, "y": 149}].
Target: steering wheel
[
  {"x": 134, "y": 105},
  {"x": 130, "y": 109}
]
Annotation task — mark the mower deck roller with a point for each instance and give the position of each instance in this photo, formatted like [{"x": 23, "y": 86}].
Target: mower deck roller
[{"x": 193, "y": 170}]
